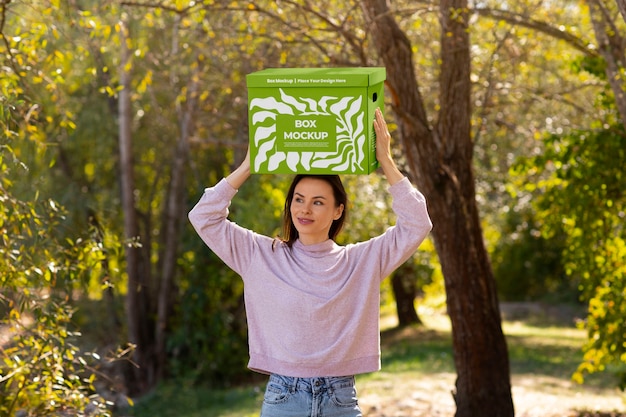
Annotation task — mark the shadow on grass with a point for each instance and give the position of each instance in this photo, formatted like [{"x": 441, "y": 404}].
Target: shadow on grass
[
  {"x": 533, "y": 350},
  {"x": 528, "y": 356},
  {"x": 416, "y": 348}
]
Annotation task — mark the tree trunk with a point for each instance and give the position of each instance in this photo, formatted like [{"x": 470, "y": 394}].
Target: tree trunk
[
  {"x": 141, "y": 376},
  {"x": 441, "y": 160},
  {"x": 173, "y": 217},
  {"x": 404, "y": 286}
]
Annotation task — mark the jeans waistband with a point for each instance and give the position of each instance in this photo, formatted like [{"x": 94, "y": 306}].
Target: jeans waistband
[{"x": 314, "y": 383}]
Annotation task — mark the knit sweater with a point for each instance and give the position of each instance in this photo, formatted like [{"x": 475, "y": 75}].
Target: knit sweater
[{"x": 312, "y": 310}]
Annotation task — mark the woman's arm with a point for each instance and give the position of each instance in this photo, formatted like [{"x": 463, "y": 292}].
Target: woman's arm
[
  {"x": 383, "y": 149},
  {"x": 241, "y": 174},
  {"x": 234, "y": 244}
]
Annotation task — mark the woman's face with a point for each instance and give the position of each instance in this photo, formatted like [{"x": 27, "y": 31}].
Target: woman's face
[{"x": 313, "y": 210}]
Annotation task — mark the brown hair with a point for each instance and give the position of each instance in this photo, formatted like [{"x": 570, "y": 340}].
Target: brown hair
[{"x": 290, "y": 233}]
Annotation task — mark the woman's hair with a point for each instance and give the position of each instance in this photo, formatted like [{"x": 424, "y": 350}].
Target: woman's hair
[{"x": 290, "y": 233}]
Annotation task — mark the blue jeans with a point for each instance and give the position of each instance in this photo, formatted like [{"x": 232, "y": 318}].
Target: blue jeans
[{"x": 310, "y": 397}]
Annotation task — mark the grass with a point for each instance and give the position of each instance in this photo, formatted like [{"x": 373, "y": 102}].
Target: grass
[
  {"x": 538, "y": 353},
  {"x": 178, "y": 400}
]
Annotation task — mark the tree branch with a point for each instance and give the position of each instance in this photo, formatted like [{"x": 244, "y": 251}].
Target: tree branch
[
  {"x": 353, "y": 41},
  {"x": 159, "y": 6},
  {"x": 525, "y": 21},
  {"x": 621, "y": 4}
]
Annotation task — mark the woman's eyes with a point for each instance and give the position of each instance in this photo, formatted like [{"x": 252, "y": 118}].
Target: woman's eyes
[{"x": 301, "y": 201}]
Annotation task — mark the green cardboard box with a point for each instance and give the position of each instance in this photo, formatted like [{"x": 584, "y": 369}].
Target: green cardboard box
[{"x": 314, "y": 120}]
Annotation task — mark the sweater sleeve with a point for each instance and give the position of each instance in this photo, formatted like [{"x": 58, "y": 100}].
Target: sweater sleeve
[
  {"x": 233, "y": 244},
  {"x": 412, "y": 226}
]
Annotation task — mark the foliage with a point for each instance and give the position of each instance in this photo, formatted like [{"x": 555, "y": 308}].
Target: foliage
[
  {"x": 208, "y": 341},
  {"x": 519, "y": 93},
  {"x": 578, "y": 187},
  {"x": 42, "y": 372},
  {"x": 527, "y": 265}
]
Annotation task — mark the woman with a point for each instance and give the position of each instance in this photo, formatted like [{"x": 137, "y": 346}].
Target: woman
[{"x": 312, "y": 305}]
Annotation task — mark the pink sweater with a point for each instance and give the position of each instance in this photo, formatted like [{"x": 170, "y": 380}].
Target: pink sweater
[{"x": 312, "y": 310}]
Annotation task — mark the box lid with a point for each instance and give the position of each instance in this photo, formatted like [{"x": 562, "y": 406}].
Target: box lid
[{"x": 316, "y": 77}]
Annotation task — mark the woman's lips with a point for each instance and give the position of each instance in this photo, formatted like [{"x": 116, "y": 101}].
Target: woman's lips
[{"x": 304, "y": 221}]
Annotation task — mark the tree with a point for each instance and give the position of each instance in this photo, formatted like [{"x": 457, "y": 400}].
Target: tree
[
  {"x": 574, "y": 204},
  {"x": 440, "y": 157},
  {"x": 175, "y": 210},
  {"x": 404, "y": 286},
  {"x": 138, "y": 296}
]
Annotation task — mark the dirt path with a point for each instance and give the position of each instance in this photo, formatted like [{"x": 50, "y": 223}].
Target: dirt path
[{"x": 533, "y": 396}]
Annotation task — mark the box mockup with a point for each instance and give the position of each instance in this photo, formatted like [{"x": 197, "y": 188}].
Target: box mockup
[{"x": 314, "y": 120}]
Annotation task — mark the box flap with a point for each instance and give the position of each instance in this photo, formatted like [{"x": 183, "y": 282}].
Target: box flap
[{"x": 316, "y": 77}]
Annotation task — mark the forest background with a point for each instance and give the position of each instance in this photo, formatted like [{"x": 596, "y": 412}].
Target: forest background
[{"x": 116, "y": 114}]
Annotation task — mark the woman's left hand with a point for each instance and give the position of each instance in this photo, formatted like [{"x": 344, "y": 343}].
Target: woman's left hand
[{"x": 383, "y": 137}]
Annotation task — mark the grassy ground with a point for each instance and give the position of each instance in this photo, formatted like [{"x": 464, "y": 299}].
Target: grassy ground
[{"x": 418, "y": 377}]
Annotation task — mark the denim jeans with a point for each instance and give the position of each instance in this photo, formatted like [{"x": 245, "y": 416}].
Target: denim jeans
[{"x": 310, "y": 397}]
